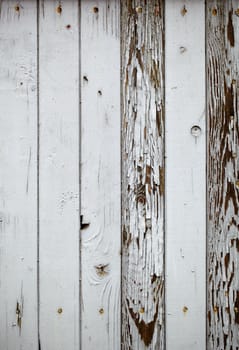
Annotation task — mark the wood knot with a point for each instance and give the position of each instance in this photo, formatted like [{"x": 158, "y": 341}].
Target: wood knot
[{"x": 102, "y": 270}]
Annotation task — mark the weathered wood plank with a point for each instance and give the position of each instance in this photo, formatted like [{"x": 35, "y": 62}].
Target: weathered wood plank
[
  {"x": 142, "y": 174},
  {"x": 59, "y": 174},
  {"x": 100, "y": 174},
  {"x": 223, "y": 198},
  {"x": 185, "y": 175},
  {"x": 18, "y": 175}
]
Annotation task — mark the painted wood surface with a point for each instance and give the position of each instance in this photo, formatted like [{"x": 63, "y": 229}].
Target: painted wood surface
[
  {"x": 185, "y": 175},
  {"x": 100, "y": 174},
  {"x": 142, "y": 175},
  {"x": 223, "y": 200},
  {"x": 18, "y": 175},
  {"x": 59, "y": 174},
  {"x": 109, "y": 130}
]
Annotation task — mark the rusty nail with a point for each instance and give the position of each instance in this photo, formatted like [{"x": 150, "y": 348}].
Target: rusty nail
[
  {"x": 95, "y": 9},
  {"x": 237, "y": 12},
  {"x": 101, "y": 311},
  {"x": 60, "y": 310},
  {"x": 139, "y": 9},
  {"x": 68, "y": 26},
  {"x": 17, "y": 8},
  {"x": 184, "y": 11},
  {"x": 59, "y": 9},
  {"x": 185, "y": 309},
  {"x": 214, "y": 11}
]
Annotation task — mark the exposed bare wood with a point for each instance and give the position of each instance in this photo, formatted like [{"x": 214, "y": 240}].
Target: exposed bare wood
[
  {"x": 223, "y": 175},
  {"x": 142, "y": 175}
]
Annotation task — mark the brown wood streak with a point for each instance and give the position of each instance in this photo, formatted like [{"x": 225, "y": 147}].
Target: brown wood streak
[
  {"x": 142, "y": 175},
  {"x": 223, "y": 199}
]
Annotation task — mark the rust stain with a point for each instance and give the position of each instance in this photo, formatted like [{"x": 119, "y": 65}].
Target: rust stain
[
  {"x": 101, "y": 311},
  {"x": 214, "y": 11},
  {"x": 185, "y": 309},
  {"x": 184, "y": 11},
  {"x": 59, "y": 9}
]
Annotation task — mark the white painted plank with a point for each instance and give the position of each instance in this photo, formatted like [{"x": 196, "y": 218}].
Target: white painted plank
[
  {"x": 18, "y": 175},
  {"x": 185, "y": 174},
  {"x": 100, "y": 177},
  {"x": 59, "y": 174}
]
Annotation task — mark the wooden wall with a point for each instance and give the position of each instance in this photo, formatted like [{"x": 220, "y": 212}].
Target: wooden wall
[{"x": 119, "y": 224}]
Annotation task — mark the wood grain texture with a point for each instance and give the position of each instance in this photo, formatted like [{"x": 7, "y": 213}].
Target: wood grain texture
[
  {"x": 100, "y": 174},
  {"x": 18, "y": 175},
  {"x": 142, "y": 175},
  {"x": 59, "y": 174},
  {"x": 185, "y": 175},
  {"x": 223, "y": 197}
]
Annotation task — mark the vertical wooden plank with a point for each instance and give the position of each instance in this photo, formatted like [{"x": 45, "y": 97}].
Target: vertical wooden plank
[
  {"x": 18, "y": 175},
  {"x": 223, "y": 174},
  {"x": 143, "y": 174},
  {"x": 100, "y": 174},
  {"x": 59, "y": 174},
  {"x": 185, "y": 174}
]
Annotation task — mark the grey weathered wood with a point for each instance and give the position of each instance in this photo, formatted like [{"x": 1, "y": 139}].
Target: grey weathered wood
[
  {"x": 142, "y": 175},
  {"x": 223, "y": 201}
]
